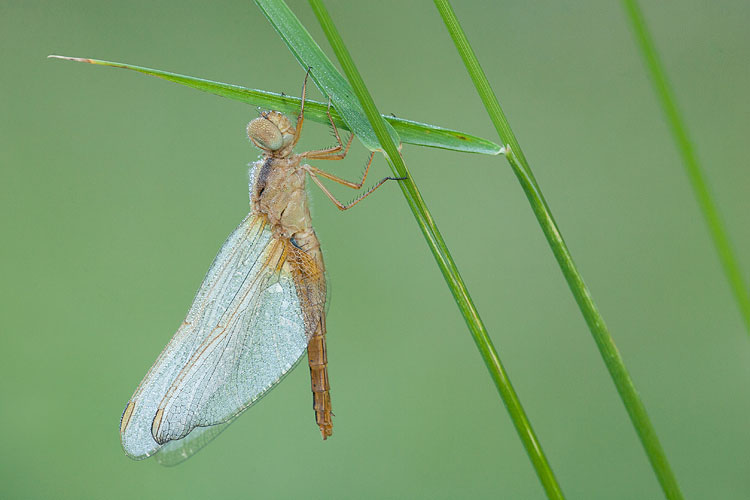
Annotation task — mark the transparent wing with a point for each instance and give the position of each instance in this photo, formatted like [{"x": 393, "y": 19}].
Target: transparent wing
[
  {"x": 176, "y": 452},
  {"x": 259, "y": 339},
  {"x": 244, "y": 332}
]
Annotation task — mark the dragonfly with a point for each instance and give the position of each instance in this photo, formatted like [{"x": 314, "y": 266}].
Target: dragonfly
[{"x": 259, "y": 308}]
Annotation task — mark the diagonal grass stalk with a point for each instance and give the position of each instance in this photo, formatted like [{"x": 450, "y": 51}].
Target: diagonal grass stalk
[
  {"x": 443, "y": 258},
  {"x": 689, "y": 158},
  {"x": 611, "y": 356}
]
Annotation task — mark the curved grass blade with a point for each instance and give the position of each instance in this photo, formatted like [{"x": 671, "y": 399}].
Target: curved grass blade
[
  {"x": 411, "y": 132},
  {"x": 599, "y": 331},
  {"x": 323, "y": 72}
]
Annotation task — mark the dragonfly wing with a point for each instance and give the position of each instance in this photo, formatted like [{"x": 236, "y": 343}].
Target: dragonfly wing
[
  {"x": 177, "y": 451},
  {"x": 244, "y": 332},
  {"x": 263, "y": 339}
]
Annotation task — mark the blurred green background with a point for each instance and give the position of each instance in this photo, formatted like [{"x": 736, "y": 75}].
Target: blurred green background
[{"x": 118, "y": 189}]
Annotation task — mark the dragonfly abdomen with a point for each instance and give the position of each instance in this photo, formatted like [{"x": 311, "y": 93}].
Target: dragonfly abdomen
[{"x": 318, "y": 361}]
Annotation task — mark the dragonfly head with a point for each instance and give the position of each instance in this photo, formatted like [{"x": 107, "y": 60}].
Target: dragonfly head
[{"x": 271, "y": 132}]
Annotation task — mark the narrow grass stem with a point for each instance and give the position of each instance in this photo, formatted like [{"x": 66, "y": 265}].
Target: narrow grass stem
[
  {"x": 689, "y": 158},
  {"x": 611, "y": 356},
  {"x": 443, "y": 258}
]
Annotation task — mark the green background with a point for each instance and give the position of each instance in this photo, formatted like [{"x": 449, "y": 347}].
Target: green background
[{"x": 117, "y": 190}]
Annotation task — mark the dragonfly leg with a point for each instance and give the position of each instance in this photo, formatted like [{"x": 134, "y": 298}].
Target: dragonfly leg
[
  {"x": 334, "y": 178},
  {"x": 332, "y": 153},
  {"x": 345, "y": 206},
  {"x": 301, "y": 115}
]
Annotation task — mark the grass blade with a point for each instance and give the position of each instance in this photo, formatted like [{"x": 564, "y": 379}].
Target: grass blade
[
  {"x": 422, "y": 134},
  {"x": 690, "y": 160},
  {"x": 411, "y": 132},
  {"x": 324, "y": 73},
  {"x": 443, "y": 257},
  {"x": 611, "y": 356}
]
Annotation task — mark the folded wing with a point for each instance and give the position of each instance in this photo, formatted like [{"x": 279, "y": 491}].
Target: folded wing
[{"x": 245, "y": 330}]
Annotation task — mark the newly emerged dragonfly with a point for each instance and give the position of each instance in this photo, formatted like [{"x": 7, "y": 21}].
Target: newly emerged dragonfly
[{"x": 260, "y": 306}]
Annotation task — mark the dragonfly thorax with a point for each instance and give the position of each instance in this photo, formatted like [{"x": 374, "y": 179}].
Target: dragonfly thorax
[{"x": 278, "y": 192}]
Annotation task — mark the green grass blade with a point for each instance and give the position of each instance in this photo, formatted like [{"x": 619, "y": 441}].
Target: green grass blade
[
  {"x": 323, "y": 72},
  {"x": 420, "y": 134},
  {"x": 443, "y": 257},
  {"x": 611, "y": 356},
  {"x": 690, "y": 160}
]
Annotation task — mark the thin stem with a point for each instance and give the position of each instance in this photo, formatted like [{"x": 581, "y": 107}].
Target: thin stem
[
  {"x": 611, "y": 356},
  {"x": 443, "y": 257},
  {"x": 690, "y": 160}
]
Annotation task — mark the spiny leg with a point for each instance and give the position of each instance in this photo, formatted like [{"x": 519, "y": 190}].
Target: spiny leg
[
  {"x": 342, "y": 206},
  {"x": 339, "y": 156},
  {"x": 331, "y": 153},
  {"x": 301, "y": 115},
  {"x": 353, "y": 185}
]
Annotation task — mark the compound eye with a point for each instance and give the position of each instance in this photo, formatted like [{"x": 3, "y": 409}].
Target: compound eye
[{"x": 265, "y": 134}]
